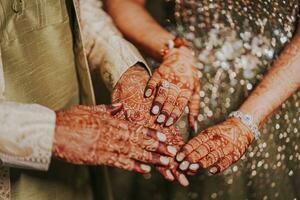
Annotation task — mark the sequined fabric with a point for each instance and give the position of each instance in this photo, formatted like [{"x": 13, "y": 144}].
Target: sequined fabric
[{"x": 235, "y": 43}]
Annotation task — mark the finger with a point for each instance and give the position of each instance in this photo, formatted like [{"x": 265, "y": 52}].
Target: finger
[
  {"x": 112, "y": 109},
  {"x": 166, "y": 173},
  {"x": 123, "y": 162},
  {"x": 152, "y": 84},
  {"x": 159, "y": 100},
  {"x": 222, "y": 165},
  {"x": 169, "y": 103},
  {"x": 194, "y": 107},
  {"x": 211, "y": 158},
  {"x": 180, "y": 177},
  {"x": 211, "y": 146},
  {"x": 180, "y": 104},
  {"x": 154, "y": 141},
  {"x": 231, "y": 155},
  {"x": 149, "y": 157},
  {"x": 192, "y": 145}
]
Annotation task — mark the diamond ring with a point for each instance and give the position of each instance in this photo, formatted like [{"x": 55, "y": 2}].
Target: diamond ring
[{"x": 165, "y": 84}]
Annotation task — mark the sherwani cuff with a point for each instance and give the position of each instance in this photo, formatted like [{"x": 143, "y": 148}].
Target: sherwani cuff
[
  {"x": 106, "y": 49},
  {"x": 26, "y": 135}
]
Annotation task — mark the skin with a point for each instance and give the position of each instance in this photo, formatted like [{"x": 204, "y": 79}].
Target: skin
[
  {"x": 136, "y": 110},
  {"x": 177, "y": 65},
  {"x": 282, "y": 80},
  {"x": 92, "y": 136}
]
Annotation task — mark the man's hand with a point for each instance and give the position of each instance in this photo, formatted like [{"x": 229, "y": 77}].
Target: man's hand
[
  {"x": 130, "y": 92},
  {"x": 175, "y": 85},
  {"x": 216, "y": 148},
  {"x": 90, "y": 135}
]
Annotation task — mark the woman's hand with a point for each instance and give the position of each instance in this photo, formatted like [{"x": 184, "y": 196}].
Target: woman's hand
[
  {"x": 216, "y": 148},
  {"x": 175, "y": 85},
  {"x": 130, "y": 92},
  {"x": 90, "y": 135}
]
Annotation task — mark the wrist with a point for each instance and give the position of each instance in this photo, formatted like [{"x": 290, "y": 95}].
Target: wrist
[{"x": 247, "y": 121}]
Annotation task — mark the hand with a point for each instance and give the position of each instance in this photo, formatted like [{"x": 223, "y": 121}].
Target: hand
[
  {"x": 216, "y": 148},
  {"x": 90, "y": 135},
  {"x": 130, "y": 92},
  {"x": 176, "y": 85}
]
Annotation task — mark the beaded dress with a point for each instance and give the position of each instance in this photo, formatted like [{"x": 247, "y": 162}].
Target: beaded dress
[{"x": 236, "y": 42}]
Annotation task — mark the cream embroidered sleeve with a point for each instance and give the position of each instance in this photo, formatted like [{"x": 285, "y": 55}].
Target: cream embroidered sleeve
[
  {"x": 26, "y": 133},
  {"x": 106, "y": 49}
]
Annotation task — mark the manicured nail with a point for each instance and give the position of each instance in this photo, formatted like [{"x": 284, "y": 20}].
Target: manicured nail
[
  {"x": 213, "y": 170},
  {"x": 184, "y": 165},
  {"x": 180, "y": 157},
  {"x": 117, "y": 104},
  {"x": 194, "y": 166},
  {"x": 161, "y": 137},
  {"x": 183, "y": 180},
  {"x": 146, "y": 168},
  {"x": 155, "y": 109},
  {"x": 172, "y": 150},
  {"x": 161, "y": 118},
  {"x": 170, "y": 175},
  {"x": 170, "y": 121},
  {"x": 164, "y": 160},
  {"x": 148, "y": 92},
  {"x": 195, "y": 127}
]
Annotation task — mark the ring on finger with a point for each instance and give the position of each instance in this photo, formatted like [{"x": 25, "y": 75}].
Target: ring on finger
[{"x": 165, "y": 84}]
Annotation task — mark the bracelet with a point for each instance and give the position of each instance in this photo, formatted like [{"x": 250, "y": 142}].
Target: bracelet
[
  {"x": 248, "y": 121},
  {"x": 177, "y": 42}
]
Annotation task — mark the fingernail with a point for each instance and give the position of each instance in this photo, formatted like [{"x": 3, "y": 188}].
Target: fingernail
[
  {"x": 195, "y": 127},
  {"x": 146, "y": 168},
  {"x": 155, "y": 109},
  {"x": 148, "y": 92},
  {"x": 213, "y": 170},
  {"x": 164, "y": 160},
  {"x": 184, "y": 165},
  {"x": 194, "y": 166},
  {"x": 170, "y": 121},
  {"x": 161, "y": 137},
  {"x": 183, "y": 180},
  {"x": 116, "y": 104},
  {"x": 170, "y": 175},
  {"x": 180, "y": 157},
  {"x": 161, "y": 118},
  {"x": 172, "y": 150}
]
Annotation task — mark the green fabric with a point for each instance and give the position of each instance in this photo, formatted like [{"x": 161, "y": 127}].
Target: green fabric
[{"x": 40, "y": 67}]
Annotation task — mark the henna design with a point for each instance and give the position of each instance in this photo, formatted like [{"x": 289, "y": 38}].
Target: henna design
[
  {"x": 91, "y": 135},
  {"x": 177, "y": 68},
  {"x": 130, "y": 92},
  {"x": 217, "y": 147}
]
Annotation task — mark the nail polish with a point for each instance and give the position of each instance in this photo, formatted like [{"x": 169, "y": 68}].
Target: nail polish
[
  {"x": 194, "y": 167},
  {"x": 161, "y": 137},
  {"x": 164, "y": 160},
  {"x": 170, "y": 121},
  {"x": 180, "y": 157},
  {"x": 172, "y": 150},
  {"x": 213, "y": 170},
  {"x": 183, "y": 180},
  {"x": 148, "y": 92},
  {"x": 146, "y": 168},
  {"x": 161, "y": 118},
  {"x": 184, "y": 165},
  {"x": 170, "y": 175},
  {"x": 155, "y": 109}
]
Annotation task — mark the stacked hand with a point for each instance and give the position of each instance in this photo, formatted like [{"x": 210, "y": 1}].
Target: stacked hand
[
  {"x": 216, "y": 148},
  {"x": 175, "y": 85},
  {"x": 130, "y": 92},
  {"x": 91, "y": 135}
]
